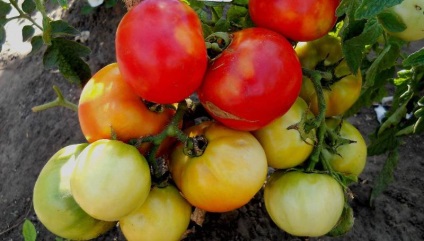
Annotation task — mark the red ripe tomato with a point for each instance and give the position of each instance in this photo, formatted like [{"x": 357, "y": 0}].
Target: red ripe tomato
[
  {"x": 297, "y": 20},
  {"x": 107, "y": 102},
  {"x": 254, "y": 81},
  {"x": 160, "y": 50}
]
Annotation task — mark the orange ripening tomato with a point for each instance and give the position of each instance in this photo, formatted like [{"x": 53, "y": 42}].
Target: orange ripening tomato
[{"x": 108, "y": 103}]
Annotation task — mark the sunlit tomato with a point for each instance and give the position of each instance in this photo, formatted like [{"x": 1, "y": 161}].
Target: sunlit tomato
[
  {"x": 411, "y": 12},
  {"x": 108, "y": 103},
  {"x": 110, "y": 180},
  {"x": 304, "y": 20},
  {"x": 350, "y": 158},
  {"x": 227, "y": 175},
  {"x": 304, "y": 204},
  {"x": 161, "y": 51},
  {"x": 165, "y": 215},
  {"x": 254, "y": 81},
  {"x": 342, "y": 91},
  {"x": 54, "y": 204},
  {"x": 285, "y": 148}
]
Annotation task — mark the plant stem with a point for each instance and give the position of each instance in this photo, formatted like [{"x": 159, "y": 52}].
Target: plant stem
[
  {"x": 22, "y": 14},
  {"x": 59, "y": 101}
]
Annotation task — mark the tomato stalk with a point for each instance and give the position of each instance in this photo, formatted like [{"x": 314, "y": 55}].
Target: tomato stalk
[
  {"x": 171, "y": 130},
  {"x": 319, "y": 121},
  {"x": 59, "y": 101}
]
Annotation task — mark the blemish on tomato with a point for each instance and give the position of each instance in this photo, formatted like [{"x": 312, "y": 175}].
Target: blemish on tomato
[{"x": 218, "y": 112}]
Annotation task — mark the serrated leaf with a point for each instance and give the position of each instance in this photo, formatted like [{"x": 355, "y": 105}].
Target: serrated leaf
[
  {"x": 28, "y": 6},
  {"x": 370, "y": 8},
  {"x": 382, "y": 143},
  {"x": 391, "y": 22},
  {"x": 5, "y": 9},
  {"x": 27, "y": 32},
  {"x": 415, "y": 59},
  {"x": 353, "y": 48},
  {"x": 63, "y": 3},
  {"x": 28, "y": 231},
  {"x": 62, "y": 28},
  {"x": 66, "y": 56},
  {"x": 36, "y": 43},
  {"x": 385, "y": 177},
  {"x": 344, "y": 224},
  {"x": 344, "y": 7}
]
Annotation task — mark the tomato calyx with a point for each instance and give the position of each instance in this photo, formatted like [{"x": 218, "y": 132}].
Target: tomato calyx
[
  {"x": 304, "y": 132},
  {"x": 333, "y": 139},
  {"x": 216, "y": 43},
  {"x": 195, "y": 146}
]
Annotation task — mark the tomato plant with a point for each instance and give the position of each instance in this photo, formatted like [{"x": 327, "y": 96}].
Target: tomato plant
[
  {"x": 231, "y": 170},
  {"x": 161, "y": 52},
  {"x": 285, "y": 147},
  {"x": 108, "y": 105},
  {"x": 255, "y": 80},
  {"x": 304, "y": 204},
  {"x": 110, "y": 180},
  {"x": 297, "y": 20},
  {"x": 53, "y": 201},
  {"x": 163, "y": 208},
  {"x": 326, "y": 54},
  {"x": 348, "y": 158},
  {"x": 410, "y": 14}
]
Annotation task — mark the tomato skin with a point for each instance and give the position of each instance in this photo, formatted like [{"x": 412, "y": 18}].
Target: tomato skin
[
  {"x": 352, "y": 157},
  {"x": 255, "y": 80},
  {"x": 304, "y": 204},
  {"x": 339, "y": 95},
  {"x": 161, "y": 53},
  {"x": 297, "y": 20},
  {"x": 230, "y": 172},
  {"x": 110, "y": 180},
  {"x": 107, "y": 101},
  {"x": 411, "y": 13},
  {"x": 284, "y": 148},
  {"x": 164, "y": 207},
  {"x": 54, "y": 204}
]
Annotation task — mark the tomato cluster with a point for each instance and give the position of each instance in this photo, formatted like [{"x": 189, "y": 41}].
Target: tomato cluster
[{"x": 152, "y": 158}]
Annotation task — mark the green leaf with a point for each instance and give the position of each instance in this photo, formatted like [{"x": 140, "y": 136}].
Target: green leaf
[
  {"x": 27, "y": 32},
  {"x": 383, "y": 142},
  {"x": 354, "y": 48},
  {"x": 36, "y": 43},
  {"x": 236, "y": 12},
  {"x": 385, "y": 60},
  {"x": 62, "y": 28},
  {"x": 5, "y": 9},
  {"x": 87, "y": 9},
  {"x": 370, "y": 8},
  {"x": 28, "y": 231},
  {"x": 28, "y": 6},
  {"x": 415, "y": 59},
  {"x": 391, "y": 21},
  {"x": 385, "y": 177},
  {"x": 66, "y": 55},
  {"x": 222, "y": 25},
  {"x": 344, "y": 7},
  {"x": 419, "y": 126},
  {"x": 394, "y": 119},
  {"x": 345, "y": 223},
  {"x": 63, "y": 3}
]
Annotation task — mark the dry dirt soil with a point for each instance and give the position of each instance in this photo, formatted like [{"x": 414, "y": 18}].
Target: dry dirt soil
[{"x": 28, "y": 140}]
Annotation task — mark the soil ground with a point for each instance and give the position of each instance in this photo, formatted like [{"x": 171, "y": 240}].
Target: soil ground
[{"x": 28, "y": 140}]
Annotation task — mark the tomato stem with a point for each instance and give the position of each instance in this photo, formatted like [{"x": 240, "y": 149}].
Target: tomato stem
[
  {"x": 216, "y": 43},
  {"x": 59, "y": 101},
  {"x": 316, "y": 77}
]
